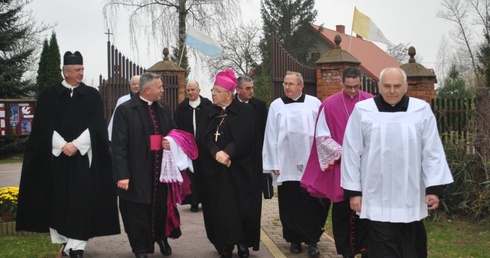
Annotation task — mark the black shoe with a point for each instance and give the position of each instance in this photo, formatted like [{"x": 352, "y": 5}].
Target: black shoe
[
  {"x": 195, "y": 208},
  {"x": 76, "y": 253},
  {"x": 165, "y": 248},
  {"x": 295, "y": 248},
  {"x": 313, "y": 250},
  {"x": 142, "y": 255},
  {"x": 243, "y": 251}
]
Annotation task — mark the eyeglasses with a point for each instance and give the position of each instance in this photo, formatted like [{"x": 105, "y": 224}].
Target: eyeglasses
[
  {"x": 355, "y": 87},
  {"x": 289, "y": 84}
]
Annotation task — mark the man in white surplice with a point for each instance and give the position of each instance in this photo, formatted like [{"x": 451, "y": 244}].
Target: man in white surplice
[
  {"x": 288, "y": 138},
  {"x": 394, "y": 167}
]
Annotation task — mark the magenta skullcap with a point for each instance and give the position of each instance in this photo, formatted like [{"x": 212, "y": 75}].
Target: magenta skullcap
[{"x": 226, "y": 79}]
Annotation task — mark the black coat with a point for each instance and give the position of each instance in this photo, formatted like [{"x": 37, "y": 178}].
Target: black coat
[
  {"x": 231, "y": 197},
  {"x": 183, "y": 121},
  {"x": 63, "y": 192},
  {"x": 131, "y": 155},
  {"x": 260, "y": 109},
  {"x": 183, "y": 114}
]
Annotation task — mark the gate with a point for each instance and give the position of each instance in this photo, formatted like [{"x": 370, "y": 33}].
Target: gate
[
  {"x": 120, "y": 70},
  {"x": 282, "y": 62}
]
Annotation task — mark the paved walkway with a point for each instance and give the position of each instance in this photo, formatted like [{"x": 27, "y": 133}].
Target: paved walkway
[{"x": 193, "y": 242}]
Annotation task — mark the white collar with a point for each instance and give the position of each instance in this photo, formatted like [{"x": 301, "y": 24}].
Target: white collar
[{"x": 147, "y": 101}]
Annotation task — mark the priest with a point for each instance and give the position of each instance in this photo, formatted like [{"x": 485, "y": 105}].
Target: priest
[
  {"x": 394, "y": 167},
  {"x": 288, "y": 138},
  {"x": 66, "y": 186},
  {"x": 229, "y": 155}
]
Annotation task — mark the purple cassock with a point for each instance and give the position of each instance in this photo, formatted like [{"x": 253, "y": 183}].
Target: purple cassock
[
  {"x": 322, "y": 173},
  {"x": 174, "y": 175}
]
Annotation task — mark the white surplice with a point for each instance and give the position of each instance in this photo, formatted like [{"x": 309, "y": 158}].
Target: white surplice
[
  {"x": 288, "y": 137},
  {"x": 392, "y": 158}
]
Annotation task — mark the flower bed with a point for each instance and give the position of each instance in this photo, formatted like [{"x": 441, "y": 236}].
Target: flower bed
[{"x": 8, "y": 203}]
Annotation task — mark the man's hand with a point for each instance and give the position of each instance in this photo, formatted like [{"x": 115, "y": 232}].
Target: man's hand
[
  {"x": 123, "y": 184},
  {"x": 69, "y": 149},
  {"x": 432, "y": 201},
  {"x": 276, "y": 172},
  {"x": 223, "y": 158},
  {"x": 355, "y": 203},
  {"x": 165, "y": 144}
]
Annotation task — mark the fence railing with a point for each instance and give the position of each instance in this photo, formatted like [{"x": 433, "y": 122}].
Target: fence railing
[{"x": 455, "y": 118}]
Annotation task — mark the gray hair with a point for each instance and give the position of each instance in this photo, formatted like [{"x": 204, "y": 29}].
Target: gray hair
[
  {"x": 146, "y": 80},
  {"x": 242, "y": 79},
  {"x": 401, "y": 71},
  {"x": 298, "y": 76}
]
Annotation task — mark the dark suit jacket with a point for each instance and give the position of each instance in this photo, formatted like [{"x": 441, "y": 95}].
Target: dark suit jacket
[
  {"x": 131, "y": 155},
  {"x": 183, "y": 114},
  {"x": 260, "y": 109}
]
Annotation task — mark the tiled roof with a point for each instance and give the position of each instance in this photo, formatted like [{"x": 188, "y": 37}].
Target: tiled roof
[{"x": 373, "y": 59}]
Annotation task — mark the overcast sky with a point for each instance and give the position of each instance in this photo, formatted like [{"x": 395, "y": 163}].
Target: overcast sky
[{"x": 80, "y": 26}]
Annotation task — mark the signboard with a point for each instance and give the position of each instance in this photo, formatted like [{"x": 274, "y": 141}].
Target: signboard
[{"x": 16, "y": 117}]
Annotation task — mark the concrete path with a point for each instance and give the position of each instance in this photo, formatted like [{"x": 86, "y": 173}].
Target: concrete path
[{"x": 193, "y": 242}]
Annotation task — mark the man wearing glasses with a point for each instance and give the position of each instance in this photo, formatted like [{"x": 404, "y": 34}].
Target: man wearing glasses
[
  {"x": 288, "y": 138},
  {"x": 322, "y": 174}
]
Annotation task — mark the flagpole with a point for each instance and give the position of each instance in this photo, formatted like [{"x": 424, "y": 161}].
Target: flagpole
[
  {"x": 351, "y": 28},
  {"x": 182, "y": 52}
]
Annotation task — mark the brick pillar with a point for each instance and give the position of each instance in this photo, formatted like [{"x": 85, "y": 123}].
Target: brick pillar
[
  {"x": 174, "y": 89},
  {"x": 329, "y": 70},
  {"x": 421, "y": 81}
]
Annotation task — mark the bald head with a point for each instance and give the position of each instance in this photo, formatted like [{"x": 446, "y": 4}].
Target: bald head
[
  {"x": 134, "y": 84},
  {"x": 193, "y": 91}
]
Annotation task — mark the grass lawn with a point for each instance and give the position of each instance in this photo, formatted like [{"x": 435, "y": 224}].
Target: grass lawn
[
  {"x": 35, "y": 246},
  {"x": 459, "y": 238}
]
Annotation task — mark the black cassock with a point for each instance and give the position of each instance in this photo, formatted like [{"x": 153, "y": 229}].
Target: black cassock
[
  {"x": 63, "y": 192},
  {"x": 183, "y": 120},
  {"x": 231, "y": 197}
]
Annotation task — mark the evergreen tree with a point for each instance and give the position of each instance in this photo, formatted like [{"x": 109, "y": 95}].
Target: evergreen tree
[
  {"x": 484, "y": 57},
  {"x": 181, "y": 59},
  {"x": 289, "y": 21},
  {"x": 49, "y": 71},
  {"x": 454, "y": 86},
  {"x": 14, "y": 56}
]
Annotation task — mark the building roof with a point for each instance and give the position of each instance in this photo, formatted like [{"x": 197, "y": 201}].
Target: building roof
[{"x": 373, "y": 59}]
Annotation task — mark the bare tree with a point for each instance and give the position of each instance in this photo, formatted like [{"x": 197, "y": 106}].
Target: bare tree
[
  {"x": 399, "y": 52},
  {"x": 163, "y": 23},
  {"x": 443, "y": 60},
  {"x": 240, "y": 49},
  {"x": 469, "y": 17}
]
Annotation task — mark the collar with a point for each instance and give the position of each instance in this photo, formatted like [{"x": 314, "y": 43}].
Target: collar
[
  {"x": 147, "y": 101},
  {"x": 287, "y": 100},
  {"x": 383, "y": 106},
  {"x": 195, "y": 103},
  {"x": 241, "y": 100},
  {"x": 68, "y": 86}
]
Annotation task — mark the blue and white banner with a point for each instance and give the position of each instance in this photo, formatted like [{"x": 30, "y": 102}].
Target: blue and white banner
[{"x": 203, "y": 43}]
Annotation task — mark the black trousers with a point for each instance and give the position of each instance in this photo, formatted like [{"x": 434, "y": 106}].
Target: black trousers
[
  {"x": 349, "y": 231},
  {"x": 302, "y": 216},
  {"x": 397, "y": 240},
  {"x": 145, "y": 223}
]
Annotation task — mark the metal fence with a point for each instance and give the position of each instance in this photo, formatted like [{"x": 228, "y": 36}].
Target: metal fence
[
  {"x": 455, "y": 118},
  {"x": 119, "y": 71}
]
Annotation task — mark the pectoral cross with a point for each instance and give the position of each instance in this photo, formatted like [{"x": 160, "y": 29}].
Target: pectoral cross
[{"x": 216, "y": 135}]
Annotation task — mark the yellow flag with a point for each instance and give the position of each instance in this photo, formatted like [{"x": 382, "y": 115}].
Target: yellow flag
[{"x": 365, "y": 27}]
